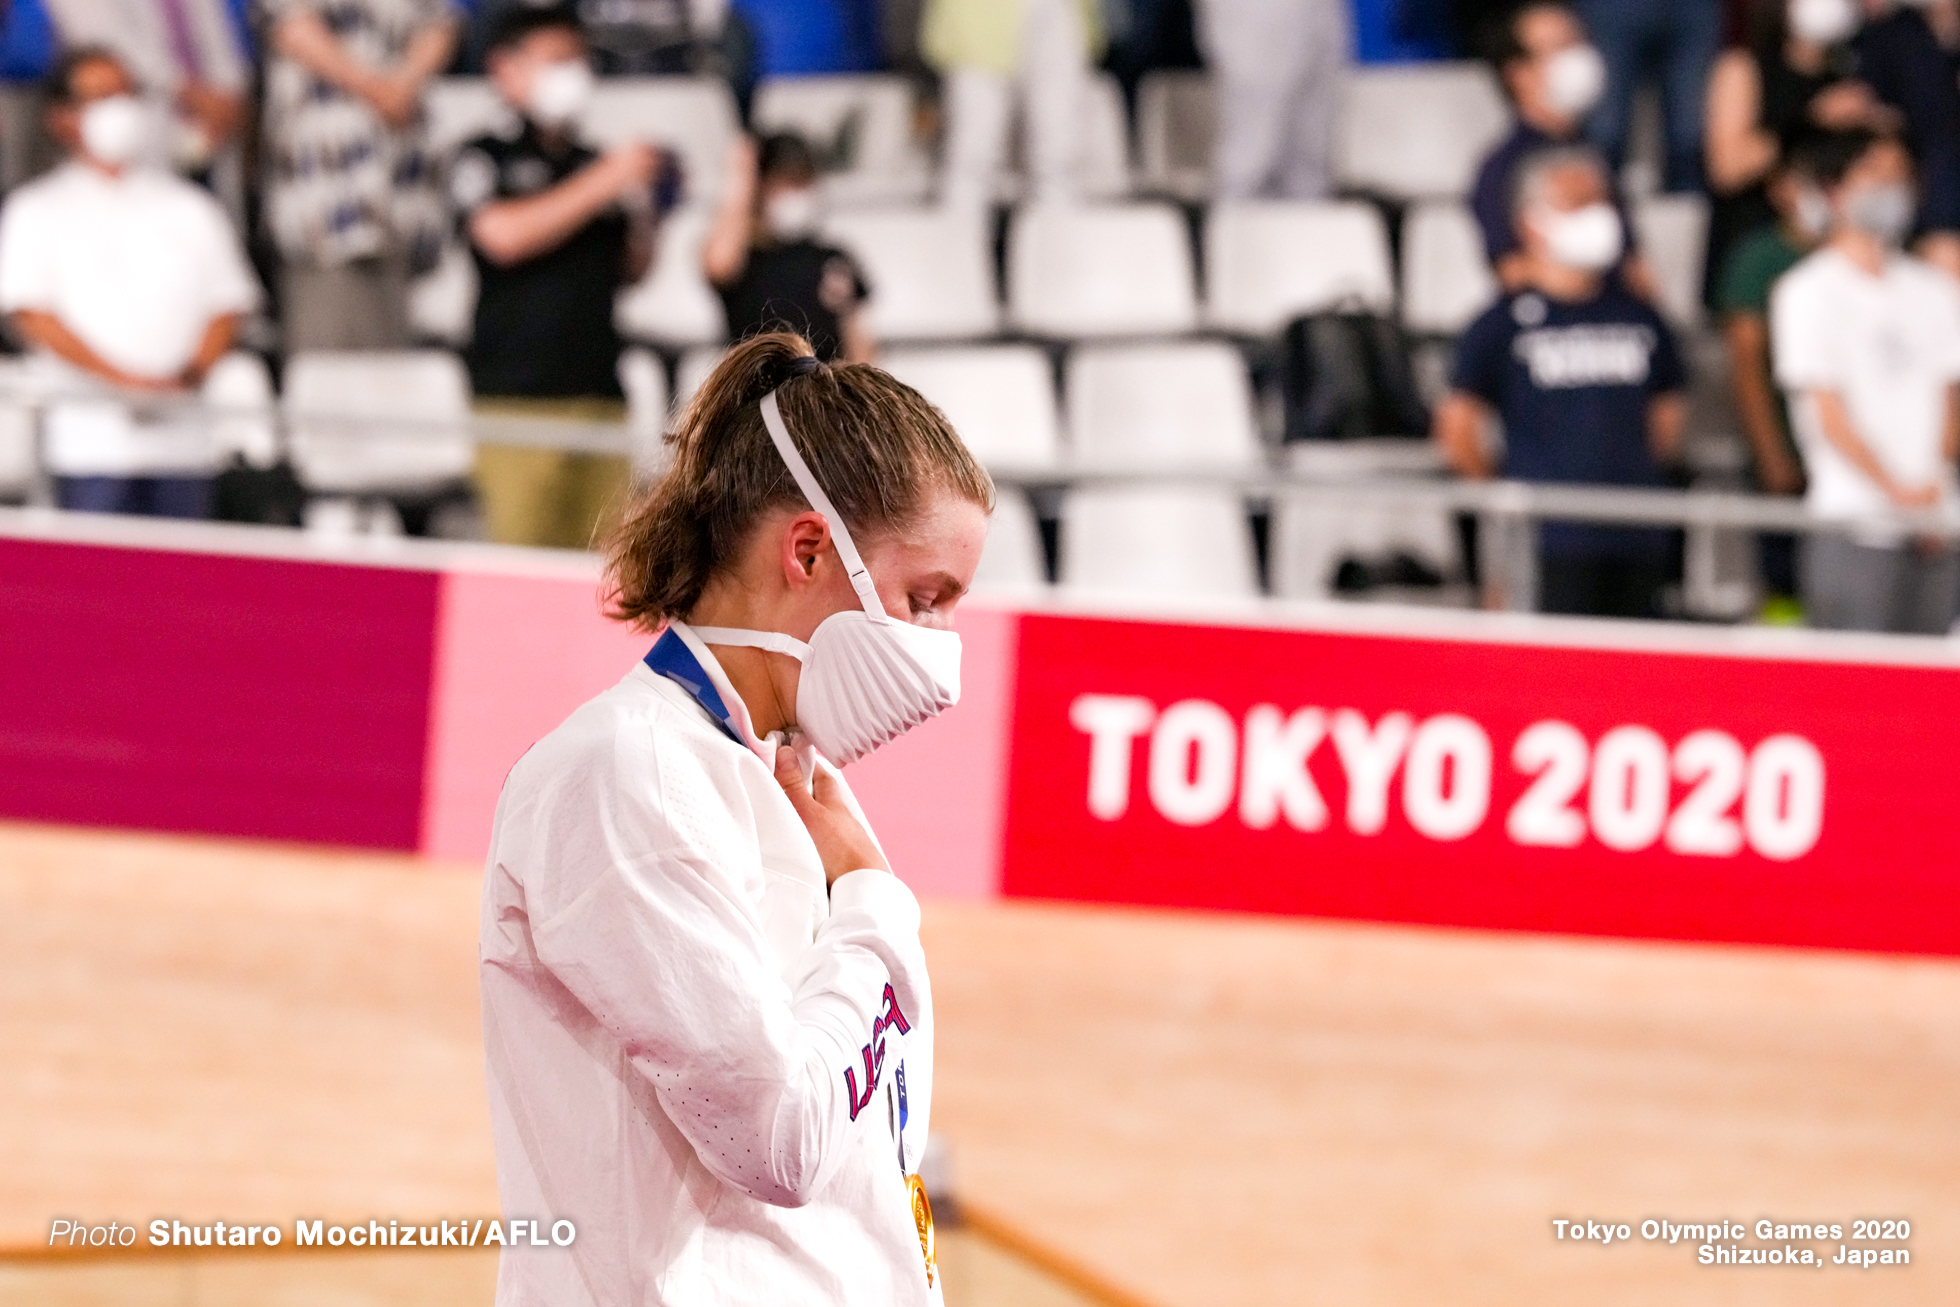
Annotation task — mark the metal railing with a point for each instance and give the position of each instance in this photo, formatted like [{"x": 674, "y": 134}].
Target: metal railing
[{"x": 1507, "y": 511}]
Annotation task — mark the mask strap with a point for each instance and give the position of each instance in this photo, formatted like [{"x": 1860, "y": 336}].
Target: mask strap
[
  {"x": 773, "y": 641},
  {"x": 772, "y": 418}
]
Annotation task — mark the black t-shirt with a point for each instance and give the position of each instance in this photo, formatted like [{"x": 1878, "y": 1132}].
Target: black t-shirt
[
  {"x": 1572, "y": 382},
  {"x": 544, "y": 327},
  {"x": 798, "y": 286}
]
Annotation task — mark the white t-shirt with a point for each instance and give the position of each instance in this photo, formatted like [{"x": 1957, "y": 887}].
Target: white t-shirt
[
  {"x": 137, "y": 266},
  {"x": 1890, "y": 345}
]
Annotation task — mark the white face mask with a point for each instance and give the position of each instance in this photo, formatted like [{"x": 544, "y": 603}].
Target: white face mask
[
  {"x": 1575, "y": 78},
  {"x": 1823, "y": 22},
  {"x": 560, "y": 92},
  {"x": 1589, "y": 239},
  {"x": 116, "y": 130},
  {"x": 1885, "y": 211},
  {"x": 867, "y": 677},
  {"x": 792, "y": 214}
]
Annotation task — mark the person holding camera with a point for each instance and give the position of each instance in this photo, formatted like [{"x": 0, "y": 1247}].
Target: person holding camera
[{"x": 555, "y": 229}]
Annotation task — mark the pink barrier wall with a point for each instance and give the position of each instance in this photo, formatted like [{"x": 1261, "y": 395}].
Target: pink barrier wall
[
  {"x": 514, "y": 655},
  {"x": 1460, "y": 769}
]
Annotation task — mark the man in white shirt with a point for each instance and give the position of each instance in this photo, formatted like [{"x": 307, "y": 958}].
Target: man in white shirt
[
  {"x": 129, "y": 284},
  {"x": 1867, "y": 343}
]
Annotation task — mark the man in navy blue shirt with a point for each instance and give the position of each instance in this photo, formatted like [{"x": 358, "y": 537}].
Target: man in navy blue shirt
[
  {"x": 1554, "y": 78},
  {"x": 1586, "y": 380}
]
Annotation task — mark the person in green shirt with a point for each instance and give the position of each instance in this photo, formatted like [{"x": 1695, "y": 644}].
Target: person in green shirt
[{"x": 1742, "y": 297}]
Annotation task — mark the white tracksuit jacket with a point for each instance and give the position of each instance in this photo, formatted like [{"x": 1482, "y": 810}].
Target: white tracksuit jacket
[{"x": 695, "y": 1054}]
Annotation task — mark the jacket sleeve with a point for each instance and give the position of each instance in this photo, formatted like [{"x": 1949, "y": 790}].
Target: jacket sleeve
[{"x": 649, "y": 917}]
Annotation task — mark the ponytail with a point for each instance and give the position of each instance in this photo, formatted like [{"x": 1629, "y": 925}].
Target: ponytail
[{"x": 875, "y": 445}]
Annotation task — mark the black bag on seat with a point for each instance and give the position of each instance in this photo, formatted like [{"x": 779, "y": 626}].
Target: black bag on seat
[{"x": 1347, "y": 376}]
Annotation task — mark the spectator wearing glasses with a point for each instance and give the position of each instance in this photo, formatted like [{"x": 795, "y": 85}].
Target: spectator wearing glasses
[
  {"x": 128, "y": 285},
  {"x": 555, "y": 228},
  {"x": 1587, "y": 381},
  {"x": 1554, "y": 78},
  {"x": 1867, "y": 345},
  {"x": 350, "y": 197}
]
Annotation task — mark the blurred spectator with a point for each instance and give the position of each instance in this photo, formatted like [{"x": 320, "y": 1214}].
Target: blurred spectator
[
  {"x": 1586, "y": 380},
  {"x": 1797, "y": 75},
  {"x": 185, "y": 52},
  {"x": 795, "y": 38},
  {"x": 350, "y": 197},
  {"x": 1803, "y": 219},
  {"x": 1145, "y": 35},
  {"x": 1674, "y": 41},
  {"x": 1278, "y": 66},
  {"x": 764, "y": 257},
  {"x": 1867, "y": 343},
  {"x": 1901, "y": 58},
  {"x": 1553, "y": 77},
  {"x": 989, "y": 51},
  {"x": 555, "y": 228},
  {"x": 128, "y": 284}
]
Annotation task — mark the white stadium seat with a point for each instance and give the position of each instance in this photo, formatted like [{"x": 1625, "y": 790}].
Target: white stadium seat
[
  {"x": 458, "y": 109},
  {"x": 1175, "y": 405},
  {"x": 1103, "y": 169},
  {"x": 1000, "y": 398},
  {"x": 931, "y": 271},
  {"x": 239, "y": 388},
  {"x": 1312, "y": 536},
  {"x": 696, "y": 366},
  {"x": 1105, "y": 124},
  {"x": 674, "y": 304},
  {"x": 868, "y": 116},
  {"x": 1446, "y": 281},
  {"x": 644, "y": 379},
  {"x": 693, "y": 116},
  {"x": 1176, "y": 120},
  {"x": 1076, "y": 271},
  {"x": 1268, "y": 262},
  {"x": 442, "y": 302},
  {"x": 1418, "y": 131},
  {"x": 1673, "y": 233},
  {"x": 339, "y": 404},
  {"x": 18, "y": 456},
  {"x": 1159, "y": 541},
  {"x": 1014, "y": 558},
  {"x": 1161, "y": 405}
]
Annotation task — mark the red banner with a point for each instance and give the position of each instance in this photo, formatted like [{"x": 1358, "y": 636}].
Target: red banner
[{"x": 1489, "y": 785}]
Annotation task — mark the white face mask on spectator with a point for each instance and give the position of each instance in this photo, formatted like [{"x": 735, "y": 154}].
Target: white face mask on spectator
[
  {"x": 559, "y": 92},
  {"x": 1885, "y": 211},
  {"x": 1590, "y": 239},
  {"x": 793, "y": 213},
  {"x": 115, "y": 130},
  {"x": 1823, "y": 22},
  {"x": 1575, "y": 78}
]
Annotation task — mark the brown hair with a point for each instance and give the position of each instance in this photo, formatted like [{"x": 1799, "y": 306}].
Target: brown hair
[{"x": 874, "y": 444}]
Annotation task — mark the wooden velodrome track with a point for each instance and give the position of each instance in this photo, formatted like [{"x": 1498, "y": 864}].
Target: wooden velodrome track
[{"x": 1189, "y": 1110}]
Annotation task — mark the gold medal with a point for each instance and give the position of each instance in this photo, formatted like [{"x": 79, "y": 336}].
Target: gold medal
[{"x": 922, "y": 1217}]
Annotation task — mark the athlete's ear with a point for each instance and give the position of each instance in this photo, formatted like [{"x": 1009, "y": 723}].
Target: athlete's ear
[{"x": 806, "y": 537}]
